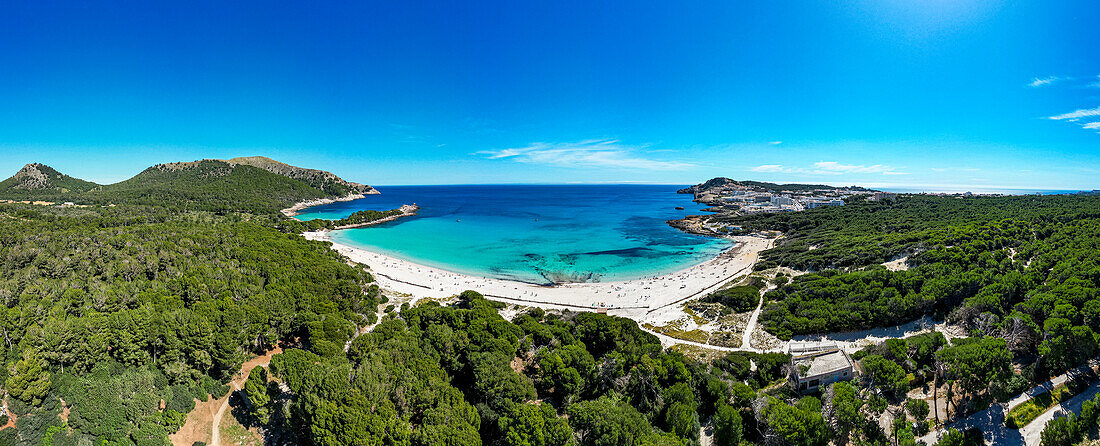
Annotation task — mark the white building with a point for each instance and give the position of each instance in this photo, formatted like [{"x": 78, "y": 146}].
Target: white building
[
  {"x": 821, "y": 203},
  {"x": 814, "y": 370},
  {"x": 782, "y": 200}
]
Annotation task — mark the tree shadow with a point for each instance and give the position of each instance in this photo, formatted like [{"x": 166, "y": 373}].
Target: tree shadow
[{"x": 278, "y": 431}]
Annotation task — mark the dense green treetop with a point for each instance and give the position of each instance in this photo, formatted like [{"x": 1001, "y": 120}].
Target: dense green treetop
[{"x": 175, "y": 298}]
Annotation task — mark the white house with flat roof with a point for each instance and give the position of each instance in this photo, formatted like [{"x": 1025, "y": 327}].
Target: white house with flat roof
[{"x": 813, "y": 370}]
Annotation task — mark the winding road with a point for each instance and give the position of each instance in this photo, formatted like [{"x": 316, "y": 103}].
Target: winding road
[{"x": 991, "y": 420}]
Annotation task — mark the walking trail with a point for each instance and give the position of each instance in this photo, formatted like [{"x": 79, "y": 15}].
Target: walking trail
[
  {"x": 746, "y": 337},
  {"x": 204, "y": 421}
]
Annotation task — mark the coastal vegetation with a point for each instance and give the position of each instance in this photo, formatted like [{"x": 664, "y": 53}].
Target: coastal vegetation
[
  {"x": 1020, "y": 268},
  {"x": 739, "y": 298},
  {"x": 357, "y": 218},
  {"x": 119, "y": 320},
  {"x": 113, "y": 310}
]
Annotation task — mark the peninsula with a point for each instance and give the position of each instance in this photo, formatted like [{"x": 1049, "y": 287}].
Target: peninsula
[{"x": 730, "y": 198}]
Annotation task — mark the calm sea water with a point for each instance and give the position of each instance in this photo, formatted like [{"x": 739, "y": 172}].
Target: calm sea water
[{"x": 533, "y": 233}]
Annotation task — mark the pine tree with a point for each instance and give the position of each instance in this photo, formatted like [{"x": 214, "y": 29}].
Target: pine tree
[{"x": 29, "y": 382}]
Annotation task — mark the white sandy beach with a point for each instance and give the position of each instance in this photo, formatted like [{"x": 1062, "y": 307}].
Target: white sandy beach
[{"x": 631, "y": 298}]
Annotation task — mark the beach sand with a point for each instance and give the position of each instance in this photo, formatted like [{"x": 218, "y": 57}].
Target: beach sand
[{"x": 635, "y": 298}]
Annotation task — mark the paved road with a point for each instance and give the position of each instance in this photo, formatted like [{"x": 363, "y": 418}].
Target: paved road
[{"x": 991, "y": 420}]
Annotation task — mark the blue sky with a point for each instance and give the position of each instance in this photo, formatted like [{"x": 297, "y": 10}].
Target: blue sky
[{"x": 959, "y": 94}]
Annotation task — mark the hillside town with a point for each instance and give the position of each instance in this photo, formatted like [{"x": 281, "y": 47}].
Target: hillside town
[{"x": 750, "y": 197}]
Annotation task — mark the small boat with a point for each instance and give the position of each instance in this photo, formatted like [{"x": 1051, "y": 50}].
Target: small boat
[{"x": 458, "y": 220}]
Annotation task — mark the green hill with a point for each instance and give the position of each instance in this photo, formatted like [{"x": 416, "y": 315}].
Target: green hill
[
  {"x": 41, "y": 182},
  {"x": 326, "y": 181},
  {"x": 209, "y": 185},
  {"x": 253, "y": 184}
]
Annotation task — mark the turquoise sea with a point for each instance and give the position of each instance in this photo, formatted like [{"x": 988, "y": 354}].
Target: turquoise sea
[{"x": 533, "y": 233}]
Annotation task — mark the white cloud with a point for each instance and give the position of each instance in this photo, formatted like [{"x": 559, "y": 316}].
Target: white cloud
[
  {"x": 833, "y": 166},
  {"x": 829, "y": 168},
  {"x": 1039, "y": 82},
  {"x": 955, "y": 169},
  {"x": 775, "y": 143},
  {"x": 1092, "y": 125},
  {"x": 591, "y": 153},
  {"x": 1075, "y": 115},
  {"x": 768, "y": 168}
]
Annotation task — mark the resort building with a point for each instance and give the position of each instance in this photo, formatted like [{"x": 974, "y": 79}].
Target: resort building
[
  {"x": 883, "y": 196},
  {"x": 783, "y": 200},
  {"x": 817, "y": 204},
  {"x": 815, "y": 368}
]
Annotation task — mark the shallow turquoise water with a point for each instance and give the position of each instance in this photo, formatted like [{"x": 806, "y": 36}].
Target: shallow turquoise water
[{"x": 533, "y": 233}]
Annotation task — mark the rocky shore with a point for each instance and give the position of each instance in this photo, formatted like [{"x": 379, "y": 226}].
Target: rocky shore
[
  {"x": 298, "y": 207},
  {"x": 407, "y": 210},
  {"x": 695, "y": 224}
]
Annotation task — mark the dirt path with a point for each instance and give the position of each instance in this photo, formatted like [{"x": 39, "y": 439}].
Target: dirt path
[
  {"x": 215, "y": 433},
  {"x": 746, "y": 337},
  {"x": 203, "y": 422}
]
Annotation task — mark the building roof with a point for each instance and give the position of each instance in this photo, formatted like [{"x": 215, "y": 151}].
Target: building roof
[{"x": 822, "y": 363}]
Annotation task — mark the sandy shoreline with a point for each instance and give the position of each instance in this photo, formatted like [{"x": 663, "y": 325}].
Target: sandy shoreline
[{"x": 631, "y": 298}]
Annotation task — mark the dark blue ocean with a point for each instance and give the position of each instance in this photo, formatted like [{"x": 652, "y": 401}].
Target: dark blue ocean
[{"x": 533, "y": 233}]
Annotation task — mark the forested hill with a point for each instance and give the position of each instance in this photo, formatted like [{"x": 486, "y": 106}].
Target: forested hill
[
  {"x": 36, "y": 179},
  {"x": 210, "y": 185},
  {"x": 326, "y": 181},
  {"x": 253, "y": 184}
]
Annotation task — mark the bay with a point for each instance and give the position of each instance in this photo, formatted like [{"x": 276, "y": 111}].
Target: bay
[{"x": 533, "y": 233}]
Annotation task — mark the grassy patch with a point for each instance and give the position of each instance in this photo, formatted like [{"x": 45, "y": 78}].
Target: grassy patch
[
  {"x": 1027, "y": 411},
  {"x": 699, "y": 320},
  {"x": 233, "y": 433},
  {"x": 673, "y": 331}
]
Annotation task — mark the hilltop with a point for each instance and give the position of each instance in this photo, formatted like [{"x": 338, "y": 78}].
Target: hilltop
[
  {"x": 35, "y": 180},
  {"x": 251, "y": 184},
  {"x": 326, "y": 181}
]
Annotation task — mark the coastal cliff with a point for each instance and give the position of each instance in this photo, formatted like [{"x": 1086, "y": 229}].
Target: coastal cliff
[{"x": 299, "y": 206}]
